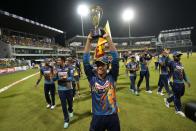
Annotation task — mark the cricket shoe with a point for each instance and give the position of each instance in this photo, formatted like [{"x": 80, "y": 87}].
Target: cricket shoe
[
  {"x": 70, "y": 115},
  {"x": 48, "y": 106},
  {"x": 66, "y": 125},
  {"x": 180, "y": 113},
  {"x": 160, "y": 93},
  {"x": 149, "y": 91},
  {"x": 166, "y": 102},
  {"x": 131, "y": 90},
  {"x": 52, "y": 107},
  {"x": 136, "y": 93}
]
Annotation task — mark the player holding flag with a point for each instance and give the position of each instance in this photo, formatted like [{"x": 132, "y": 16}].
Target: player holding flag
[{"x": 103, "y": 88}]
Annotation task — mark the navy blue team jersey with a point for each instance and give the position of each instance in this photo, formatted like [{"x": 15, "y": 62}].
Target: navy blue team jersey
[
  {"x": 177, "y": 72},
  {"x": 132, "y": 65},
  {"x": 103, "y": 91},
  {"x": 46, "y": 71},
  {"x": 164, "y": 68},
  {"x": 64, "y": 77}
]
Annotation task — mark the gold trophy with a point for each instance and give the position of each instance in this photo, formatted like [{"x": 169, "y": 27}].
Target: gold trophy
[{"x": 96, "y": 13}]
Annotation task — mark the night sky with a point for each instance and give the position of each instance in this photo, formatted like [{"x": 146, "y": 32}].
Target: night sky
[{"x": 152, "y": 16}]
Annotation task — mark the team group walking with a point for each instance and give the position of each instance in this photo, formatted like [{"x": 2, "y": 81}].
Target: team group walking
[{"x": 102, "y": 76}]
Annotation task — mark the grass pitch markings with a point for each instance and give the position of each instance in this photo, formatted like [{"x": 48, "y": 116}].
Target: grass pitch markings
[{"x": 23, "y": 79}]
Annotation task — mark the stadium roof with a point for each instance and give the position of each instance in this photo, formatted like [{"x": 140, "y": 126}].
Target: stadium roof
[
  {"x": 18, "y": 23},
  {"x": 179, "y": 29}
]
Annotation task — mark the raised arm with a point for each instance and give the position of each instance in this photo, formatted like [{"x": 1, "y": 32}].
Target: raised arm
[
  {"x": 110, "y": 43},
  {"x": 115, "y": 63},
  {"x": 86, "y": 59},
  {"x": 88, "y": 44}
]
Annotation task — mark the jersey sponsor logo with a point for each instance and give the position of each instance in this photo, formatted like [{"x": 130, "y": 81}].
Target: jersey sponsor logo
[
  {"x": 133, "y": 66},
  {"x": 47, "y": 72},
  {"x": 179, "y": 70},
  {"x": 179, "y": 67},
  {"x": 100, "y": 87},
  {"x": 62, "y": 74}
]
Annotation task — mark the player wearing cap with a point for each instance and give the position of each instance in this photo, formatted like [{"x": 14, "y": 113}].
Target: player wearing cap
[
  {"x": 103, "y": 88},
  {"x": 64, "y": 76},
  {"x": 144, "y": 71},
  {"x": 178, "y": 74},
  {"x": 164, "y": 70},
  {"x": 49, "y": 86},
  {"x": 132, "y": 67}
]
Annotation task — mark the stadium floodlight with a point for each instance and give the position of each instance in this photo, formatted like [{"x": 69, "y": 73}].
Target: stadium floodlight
[
  {"x": 83, "y": 11},
  {"x": 128, "y": 16}
]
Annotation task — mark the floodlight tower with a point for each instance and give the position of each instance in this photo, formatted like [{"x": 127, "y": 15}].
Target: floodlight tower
[
  {"x": 128, "y": 16},
  {"x": 83, "y": 11}
]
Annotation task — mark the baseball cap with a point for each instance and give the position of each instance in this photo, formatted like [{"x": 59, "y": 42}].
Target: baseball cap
[
  {"x": 103, "y": 60},
  {"x": 177, "y": 53}
]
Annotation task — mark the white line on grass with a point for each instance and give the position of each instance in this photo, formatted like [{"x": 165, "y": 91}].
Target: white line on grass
[{"x": 7, "y": 87}]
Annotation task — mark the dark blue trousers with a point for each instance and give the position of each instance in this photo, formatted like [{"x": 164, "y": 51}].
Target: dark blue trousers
[
  {"x": 132, "y": 85},
  {"x": 178, "y": 91},
  {"x": 163, "y": 82},
  {"x": 156, "y": 65},
  {"x": 147, "y": 76},
  {"x": 49, "y": 88},
  {"x": 74, "y": 88},
  {"x": 105, "y": 122},
  {"x": 66, "y": 97}
]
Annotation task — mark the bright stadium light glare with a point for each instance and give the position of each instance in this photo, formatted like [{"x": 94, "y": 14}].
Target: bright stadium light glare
[
  {"x": 128, "y": 15},
  {"x": 83, "y": 10}
]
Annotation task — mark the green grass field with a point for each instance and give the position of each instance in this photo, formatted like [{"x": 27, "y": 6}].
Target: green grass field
[
  {"x": 7, "y": 79},
  {"x": 22, "y": 107}
]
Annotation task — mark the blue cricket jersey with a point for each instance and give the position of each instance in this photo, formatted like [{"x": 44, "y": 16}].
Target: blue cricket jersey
[
  {"x": 144, "y": 62},
  {"x": 164, "y": 68},
  {"x": 46, "y": 72},
  {"x": 132, "y": 65},
  {"x": 177, "y": 72},
  {"x": 103, "y": 91},
  {"x": 64, "y": 77}
]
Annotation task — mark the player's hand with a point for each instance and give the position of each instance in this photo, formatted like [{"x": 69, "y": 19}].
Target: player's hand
[
  {"x": 89, "y": 37},
  {"x": 107, "y": 37},
  {"x": 189, "y": 84}
]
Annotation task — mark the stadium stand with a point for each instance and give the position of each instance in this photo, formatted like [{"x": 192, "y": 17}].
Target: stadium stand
[
  {"x": 22, "y": 38},
  {"x": 122, "y": 43},
  {"x": 176, "y": 39}
]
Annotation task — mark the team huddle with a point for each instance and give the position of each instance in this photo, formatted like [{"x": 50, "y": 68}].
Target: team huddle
[{"x": 102, "y": 76}]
